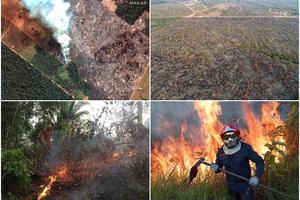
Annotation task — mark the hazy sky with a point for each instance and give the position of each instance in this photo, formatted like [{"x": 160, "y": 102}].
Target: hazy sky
[
  {"x": 178, "y": 111},
  {"x": 95, "y": 107}
]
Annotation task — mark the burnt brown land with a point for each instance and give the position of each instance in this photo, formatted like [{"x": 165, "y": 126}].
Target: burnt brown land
[
  {"x": 225, "y": 58},
  {"x": 117, "y": 45},
  {"x": 111, "y": 54}
]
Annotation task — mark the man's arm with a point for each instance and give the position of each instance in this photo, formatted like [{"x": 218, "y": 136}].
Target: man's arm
[
  {"x": 259, "y": 162},
  {"x": 219, "y": 162}
]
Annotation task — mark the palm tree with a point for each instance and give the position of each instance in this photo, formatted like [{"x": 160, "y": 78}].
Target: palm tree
[{"x": 68, "y": 117}]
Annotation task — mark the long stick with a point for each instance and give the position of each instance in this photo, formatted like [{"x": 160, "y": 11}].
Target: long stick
[
  {"x": 171, "y": 172},
  {"x": 244, "y": 178}
]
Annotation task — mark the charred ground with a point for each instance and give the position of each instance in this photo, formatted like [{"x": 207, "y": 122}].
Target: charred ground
[
  {"x": 225, "y": 58},
  {"x": 111, "y": 54}
]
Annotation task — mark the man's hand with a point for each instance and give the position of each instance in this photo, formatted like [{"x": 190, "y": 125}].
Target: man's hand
[
  {"x": 214, "y": 167},
  {"x": 254, "y": 181}
]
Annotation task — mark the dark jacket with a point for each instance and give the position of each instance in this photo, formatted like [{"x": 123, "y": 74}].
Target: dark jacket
[{"x": 239, "y": 163}]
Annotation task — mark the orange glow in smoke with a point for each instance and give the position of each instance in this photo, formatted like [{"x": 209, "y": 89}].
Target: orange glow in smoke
[
  {"x": 62, "y": 173},
  {"x": 115, "y": 155}
]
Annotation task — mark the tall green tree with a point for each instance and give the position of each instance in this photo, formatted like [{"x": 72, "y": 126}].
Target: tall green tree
[
  {"x": 15, "y": 122},
  {"x": 69, "y": 116}
]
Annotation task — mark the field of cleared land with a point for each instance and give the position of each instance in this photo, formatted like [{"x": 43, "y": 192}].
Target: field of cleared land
[
  {"x": 225, "y": 58},
  {"x": 200, "y": 8}
]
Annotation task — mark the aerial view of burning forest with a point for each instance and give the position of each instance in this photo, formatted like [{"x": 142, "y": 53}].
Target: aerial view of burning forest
[
  {"x": 217, "y": 49},
  {"x": 187, "y": 134},
  {"x": 75, "y": 150},
  {"x": 74, "y": 49}
]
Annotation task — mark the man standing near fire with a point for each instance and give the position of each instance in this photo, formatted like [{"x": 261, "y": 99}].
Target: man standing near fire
[{"x": 234, "y": 156}]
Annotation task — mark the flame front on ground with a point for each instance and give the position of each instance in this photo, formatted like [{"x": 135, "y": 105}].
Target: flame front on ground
[
  {"x": 176, "y": 153},
  {"x": 47, "y": 189}
]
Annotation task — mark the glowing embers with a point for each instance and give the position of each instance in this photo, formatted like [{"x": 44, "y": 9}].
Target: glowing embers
[
  {"x": 118, "y": 155},
  {"x": 83, "y": 171},
  {"x": 63, "y": 173},
  {"x": 177, "y": 151}
]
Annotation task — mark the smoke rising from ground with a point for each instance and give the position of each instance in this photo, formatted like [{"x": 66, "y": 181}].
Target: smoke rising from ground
[
  {"x": 93, "y": 170},
  {"x": 55, "y": 15}
]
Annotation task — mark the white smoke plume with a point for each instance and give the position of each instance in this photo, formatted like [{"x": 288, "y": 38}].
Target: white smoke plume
[{"x": 55, "y": 15}]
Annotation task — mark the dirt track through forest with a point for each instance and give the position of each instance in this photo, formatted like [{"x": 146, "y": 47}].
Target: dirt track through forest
[
  {"x": 193, "y": 14},
  {"x": 191, "y": 9}
]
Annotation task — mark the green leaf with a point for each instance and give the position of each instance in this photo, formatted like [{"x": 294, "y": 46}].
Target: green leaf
[
  {"x": 280, "y": 143},
  {"x": 279, "y": 151},
  {"x": 271, "y": 147}
]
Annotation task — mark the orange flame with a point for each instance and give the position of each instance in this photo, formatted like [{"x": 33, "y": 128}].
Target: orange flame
[
  {"x": 258, "y": 128},
  {"x": 45, "y": 192},
  {"x": 176, "y": 154},
  {"x": 60, "y": 175},
  {"x": 115, "y": 155},
  {"x": 63, "y": 174}
]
